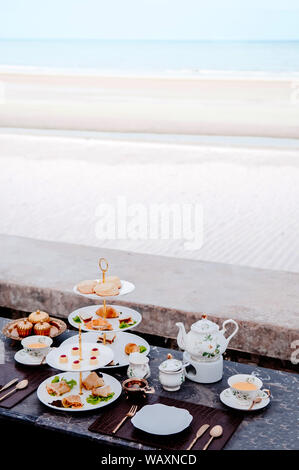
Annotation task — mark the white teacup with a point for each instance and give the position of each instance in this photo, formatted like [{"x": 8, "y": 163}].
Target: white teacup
[
  {"x": 31, "y": 345},
  {"x": 239, "y": 390}
]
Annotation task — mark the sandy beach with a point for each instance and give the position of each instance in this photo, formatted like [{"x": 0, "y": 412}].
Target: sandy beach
[
  {"x": 227, "y": 104},
  {"x": 52, "y": 185}
]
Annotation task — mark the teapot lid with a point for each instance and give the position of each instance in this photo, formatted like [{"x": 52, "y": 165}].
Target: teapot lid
[
  {"x": 204, "y": 325},
  {"x": 170, "y": 365}
]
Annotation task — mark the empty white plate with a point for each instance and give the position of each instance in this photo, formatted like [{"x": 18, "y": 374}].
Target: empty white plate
[{"x": 161, "y": 419}]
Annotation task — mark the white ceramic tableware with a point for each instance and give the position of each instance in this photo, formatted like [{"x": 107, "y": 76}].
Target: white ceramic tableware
[
  {"x": 125, "y": 312},
  {"x": 44, "y": 341},
  {"x": 161, "y": 419},
  {"x": 138, "y": 366},
  {"x": 126, "y": 288},
  {"x": 230, "y": 400},
  {"x": 247, "y": 395},
  {"x": 204, "y": 341},
  {"x": 47, "y": 399},
  {"x": 171, "y": 374},
  {"x": 121, "y": 359},
  {"x": 23, "y": 357},
  {"x": 104, "y": 357}
]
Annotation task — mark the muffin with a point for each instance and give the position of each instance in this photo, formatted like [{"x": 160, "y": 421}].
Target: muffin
[
  {"x": 24, "y": 328},
  {"x": 38, "y": 316},
  {"x": 42, "y": 328}
]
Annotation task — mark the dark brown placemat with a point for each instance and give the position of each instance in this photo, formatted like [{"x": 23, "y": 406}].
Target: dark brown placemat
[
  {"x": 229, "y": 420},
  {"x": 34, "y": 375}
]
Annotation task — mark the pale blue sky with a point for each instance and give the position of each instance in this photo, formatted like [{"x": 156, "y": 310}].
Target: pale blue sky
[{"x": 150, "y": 19}]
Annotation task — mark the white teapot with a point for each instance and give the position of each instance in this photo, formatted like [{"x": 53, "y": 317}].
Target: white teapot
[{"x": 205, "y": 342}]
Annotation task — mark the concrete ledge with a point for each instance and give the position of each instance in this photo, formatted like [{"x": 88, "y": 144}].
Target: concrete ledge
[{"x": 39, "y": 274}]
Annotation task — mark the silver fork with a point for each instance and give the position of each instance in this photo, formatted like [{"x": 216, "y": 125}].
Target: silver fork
[{"x": 130, "y": 414}]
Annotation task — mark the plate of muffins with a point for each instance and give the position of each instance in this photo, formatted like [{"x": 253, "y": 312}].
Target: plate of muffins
[
  {"x": 96, "y": 288},
  {"x": 95, "y": 318},
  {"x": 37, "y": 323}
]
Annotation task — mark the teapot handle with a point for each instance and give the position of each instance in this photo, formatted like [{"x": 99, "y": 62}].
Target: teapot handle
[{"x": 226, "y": 322}]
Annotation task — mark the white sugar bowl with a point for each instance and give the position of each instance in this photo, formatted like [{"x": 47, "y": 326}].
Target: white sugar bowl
[
  {"x": 171, "y": 374},
  {"x": 138, "y": 366}
]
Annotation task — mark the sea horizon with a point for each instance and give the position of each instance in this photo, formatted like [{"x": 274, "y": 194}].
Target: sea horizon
[{"x": 151, "y": 57}]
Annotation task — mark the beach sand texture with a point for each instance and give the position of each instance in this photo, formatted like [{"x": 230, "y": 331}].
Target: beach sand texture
[
  {"x": 216, "y": 105},
  {"x": 51, "y": 188}
]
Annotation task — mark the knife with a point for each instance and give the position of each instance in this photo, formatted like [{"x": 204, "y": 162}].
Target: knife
[
  {"x": 199, "y": 433},
  {"x": 9, "y": 384}
]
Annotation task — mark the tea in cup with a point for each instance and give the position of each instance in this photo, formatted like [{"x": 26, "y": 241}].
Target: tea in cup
[
  {"x": 246, "y": 387},
  {"x": 37, "y": 345}
]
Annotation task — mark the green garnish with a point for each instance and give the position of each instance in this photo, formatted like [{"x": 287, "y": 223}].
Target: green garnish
[
  {"x": 95, "y": 400},
  {"x": 142, "y": 349},
  {"x": 123, "y": 325},
  {"x": 77, "y": 319},
  {"x": 70, "y": 383}
]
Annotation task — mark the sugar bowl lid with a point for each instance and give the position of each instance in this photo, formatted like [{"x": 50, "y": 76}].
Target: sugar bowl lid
[
  {"x": 204, "y": 325},
  {"x": 170, "y": 364}
]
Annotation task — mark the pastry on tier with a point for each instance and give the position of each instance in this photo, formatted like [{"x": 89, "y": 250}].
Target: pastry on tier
[
  {"x": 101, "y": 391},
  {"x": 113, "y": 280},
  {"x": 131, "y": 347},
  {"x": 38, "y": 316},
  {"x": 106, "y": 289},
  {"x": 58, "y": 388},
  {"x": 72, "y": 401},
  {"x": 108, "y": 338},
  {"x": 110, "y": 312},
  {"x": 86, "y": 287},
  {"x": 93, "y": 380}
]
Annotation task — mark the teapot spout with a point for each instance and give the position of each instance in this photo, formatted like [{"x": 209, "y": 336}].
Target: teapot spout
[{"x": 181, "y": 339}]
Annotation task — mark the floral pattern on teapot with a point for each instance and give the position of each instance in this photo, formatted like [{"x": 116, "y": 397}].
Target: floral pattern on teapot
[{"x": 205, "y": 342}]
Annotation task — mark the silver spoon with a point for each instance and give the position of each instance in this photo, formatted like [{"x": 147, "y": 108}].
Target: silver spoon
[
  {"x": 216, "y": 431},
  {"x": 19, "y": 386}
]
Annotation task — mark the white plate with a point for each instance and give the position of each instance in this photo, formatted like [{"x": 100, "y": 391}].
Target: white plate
[
  {"x": 126, "y": 312},
  {"x": 126, "y": 288},
  {"x": 105, "y": 356},
  {"x": 23, "y": 357},
  {"x": 46, "y": 399},
  {"x": 162, "y": 419},
  {"x": 228, "y": 399},
  {"x": 118, "y": 346}
]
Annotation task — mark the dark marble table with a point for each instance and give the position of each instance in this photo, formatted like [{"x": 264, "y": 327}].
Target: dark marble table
[{"x": 276, "y": 427}]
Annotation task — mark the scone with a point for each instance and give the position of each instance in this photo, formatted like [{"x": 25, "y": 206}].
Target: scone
[
  {"x": 42, "y": 328},
  {"x": 110, "y": 312},
  {"x": 131, "y": 347},
  {"x": 86, "y": 287},
  {"x": 106, "y": 289},
  {"x": 38, "y": 316},
  {"x": 24, "y": 328},
  {"x": 113, "y": 280}
]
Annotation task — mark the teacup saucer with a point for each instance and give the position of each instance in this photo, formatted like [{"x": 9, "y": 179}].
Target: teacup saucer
[
  {"x": 23, "y": 357},
  {"x": 228, "y": 399}
]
